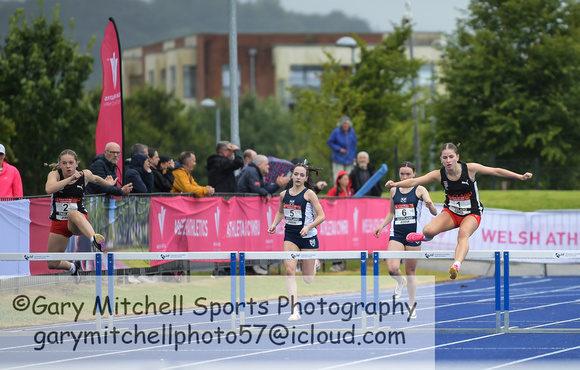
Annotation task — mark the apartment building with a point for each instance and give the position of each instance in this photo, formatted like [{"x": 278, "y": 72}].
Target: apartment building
[{"x": 196, "y": 67}]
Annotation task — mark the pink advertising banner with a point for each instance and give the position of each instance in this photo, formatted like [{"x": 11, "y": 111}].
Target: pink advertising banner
[
  {"x": 110, "y": 122},
  {"x": 183, "y": 224}
]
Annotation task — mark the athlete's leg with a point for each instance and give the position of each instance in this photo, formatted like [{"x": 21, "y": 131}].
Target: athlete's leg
[
  {"x": 57, "y": 244},
  {"x": 442, "y": 222},
  {"x": 466, "y": 229},
  {"x": 411, "y": 272},
  {"x": 394, "y": 264},
  {"x": 78, "y": 224},
  {"x": 290, "y": 266},
  {"x": 308, "y": 270}
]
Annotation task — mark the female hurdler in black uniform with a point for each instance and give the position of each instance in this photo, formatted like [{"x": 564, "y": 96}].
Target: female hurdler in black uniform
[
  {"x": 462, "y": 208},
  {"x": 302, "y": 210},
  {"x": 405, "y": 212},
  {"x": 67, "y": 210}
]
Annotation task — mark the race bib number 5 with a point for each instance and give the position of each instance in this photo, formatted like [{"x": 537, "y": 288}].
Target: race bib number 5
[{"x": 293, "y": 214}]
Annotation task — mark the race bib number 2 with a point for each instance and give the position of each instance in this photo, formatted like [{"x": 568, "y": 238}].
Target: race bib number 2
[{"x": 63, "y": 207}]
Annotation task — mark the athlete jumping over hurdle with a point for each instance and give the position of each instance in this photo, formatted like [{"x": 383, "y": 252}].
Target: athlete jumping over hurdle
[{"x": 462, "y": 208}]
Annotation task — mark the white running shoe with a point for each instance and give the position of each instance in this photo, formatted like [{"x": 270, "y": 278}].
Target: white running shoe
[
  {"x": 399, "y": 288},
  {"x": 413, "y": 315},
  {"x": 294, "y": 317},
  {"x": 259, "y": 270}
]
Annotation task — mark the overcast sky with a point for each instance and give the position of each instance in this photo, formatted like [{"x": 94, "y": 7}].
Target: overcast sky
[{"x": 429, "y": 15}]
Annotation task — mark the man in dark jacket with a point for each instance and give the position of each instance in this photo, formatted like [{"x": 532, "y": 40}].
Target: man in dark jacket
[
  {"x": 105, "y": 164},
  {"x": 139, "y": 173},
  {"x": 252, "y": 180},
  {"x": 222, "y": 165},
  {"x": 361, "y": 173}
]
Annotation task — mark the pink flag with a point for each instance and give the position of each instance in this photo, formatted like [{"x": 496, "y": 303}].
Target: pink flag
[{"x": 110, "y": 124}]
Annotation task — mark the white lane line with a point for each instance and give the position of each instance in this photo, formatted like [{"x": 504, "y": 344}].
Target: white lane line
[{"x": 533, "y": 358}]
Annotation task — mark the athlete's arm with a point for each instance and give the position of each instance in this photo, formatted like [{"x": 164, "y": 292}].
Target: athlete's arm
[
  {"x": 311, "y": 197},
  {"x": 423, "y": 194},
  {"x": 476, "y": 168},
  {"x": 389, "y": 216},
  {"x": 53, "y": 184},
  {"x": 421, "y": 180},
  {"x": 89, "y": 177},
  {"x": 279, "y": 213}
]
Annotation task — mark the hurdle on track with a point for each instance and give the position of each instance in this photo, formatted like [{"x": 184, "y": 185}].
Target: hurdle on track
[
  {"x": 299, "y": 255},
  {"x": 507, "y": 255},
  {"x": 472, "y": 255},
  {"x": 126, "y": 256},
  {"x": 234, "y": 257}
]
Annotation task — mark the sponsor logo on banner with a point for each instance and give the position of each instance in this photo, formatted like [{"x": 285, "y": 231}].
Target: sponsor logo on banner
[
  {"x": 567, "y": 255},
  {"x": 438, "y": 255},
  {"x": 355, "y": 219},
  {"x": 191, "y": 227},
  {"x": 241, "y": 228},
  {"x": 161, "y": 217},
  {"x": 216, "y": 215},
  {"x": 269, "y": 216},
  {"x": 114, "y": 67},
  {"x": 172, "y": 256},
  {"x": 37, "y": 257},
  {"x": 303, "y": 256}
]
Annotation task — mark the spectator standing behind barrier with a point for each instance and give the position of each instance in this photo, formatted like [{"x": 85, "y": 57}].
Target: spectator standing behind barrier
[
  {"x": 342, "y": 141},
  {"x": 343, "y": 186},
  {"x": 361, "y": 173},
  {"x": 163, "y": 175},
  {"x": 252, "y": 180},
  {"x": 249, "y": 155},
  {"x": 405, "y": 212},
  {"x": 462, "y": 208},
  {"x": 184, "y": 182},
  {"x": 222, "y": 165},
  {"x": 105, "y": 164},
  {"x": 10, "y": 180},
  {"x": 67, "y": 211},
  {"x": 139, "y": 174}
]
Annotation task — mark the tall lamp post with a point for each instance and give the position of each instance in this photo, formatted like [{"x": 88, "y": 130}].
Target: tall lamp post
[
  {"x": 349, "y": 42},
  {"x": 408, "y": 18},
  {"x": 209, "y": 103}
]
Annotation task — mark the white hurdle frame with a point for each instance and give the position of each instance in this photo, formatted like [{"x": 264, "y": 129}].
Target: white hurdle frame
[
  {"x": 300, "y": 255},
  {"x": 471, "y": 255}
]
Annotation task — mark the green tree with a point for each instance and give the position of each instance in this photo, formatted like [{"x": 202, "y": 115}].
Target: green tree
[
  {"x": 511, "y": 73},
  {"x": 41, "y": 81},
  {"x": 377, "y": 98}
]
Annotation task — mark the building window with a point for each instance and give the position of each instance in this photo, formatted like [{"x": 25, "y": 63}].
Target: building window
[
  {"x": 152, "y": 78},
  {"x": 305, "y": 77},
  {"x": 190, "y": 82},
  {"x": 164, "y": 79},
  {"x": 172, "y": 79},
  {"x": 226, "y": 80}
]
